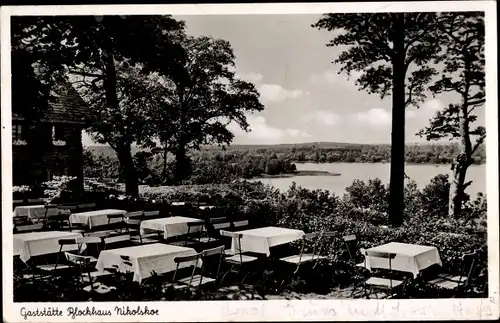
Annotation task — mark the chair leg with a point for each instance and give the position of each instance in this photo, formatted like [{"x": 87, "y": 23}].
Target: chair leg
[{"x": 224, "y": 276}]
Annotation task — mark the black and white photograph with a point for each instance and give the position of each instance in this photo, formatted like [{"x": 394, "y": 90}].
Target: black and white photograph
[{"x": 172, "y": 157}]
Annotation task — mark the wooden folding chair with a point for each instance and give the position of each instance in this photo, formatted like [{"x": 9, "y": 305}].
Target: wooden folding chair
[
  {"x": 239, "y": 261},
  {"x": 374, "y": 283},
  {"x": 461, "y": 281},
  {"x": 83, "y": 264},
  {"x": 351, "y": 245},
  {"x": 21, "y": 221},
  {"x": 89, "y": 242},
  {"x": 195, "y": 234},
  {"x": 302, "y": 258},
  {"x": 239, "y": 225},
  {"x": 188, "y": 281},
  {"x": 121, "y": 240},
  {"x": 133, "y": 222},
  {"x": 56, "y": 267},
  {"x": 147, "y": 237},
  {"x": 49, "y": 207},
  {"x": 151, "y": 215},
  {"x": 117, "y": 226},
  {"x": 35, "y": 201},
  {"x": 16, "y": 203},
  {"x": 84, "y": 207},
  {"x": 207, "y": 253},
  {"x": 28, "y": 228}
]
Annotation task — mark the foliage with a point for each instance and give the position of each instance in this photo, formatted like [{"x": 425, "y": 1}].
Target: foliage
[
  {"x": 391, "y": 52},
  {"x": 195, "y": 109},
  {"x": 464, "y": 74},
  {"x": 308, "y": 210},
  {"x": 206, "y": 167},
  {"x": 94, "y": 55}
]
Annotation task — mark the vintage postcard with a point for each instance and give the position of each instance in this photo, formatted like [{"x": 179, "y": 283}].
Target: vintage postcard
[{"x": 250, "y": 162}]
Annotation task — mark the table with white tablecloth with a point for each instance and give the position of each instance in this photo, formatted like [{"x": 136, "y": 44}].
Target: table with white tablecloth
[
  {"x": 171, "y": 226},
  {"x": 409, "y": 257},
  {"x": 34, "y": 212},
  {"x": 144, "y": 259},
  {"x": 27, "y": 245},
  {"x": 95, "y": 218},
  {"x": 262, "y": 239}
]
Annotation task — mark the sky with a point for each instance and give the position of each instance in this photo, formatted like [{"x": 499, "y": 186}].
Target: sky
[{"x": 305, "y": 98}]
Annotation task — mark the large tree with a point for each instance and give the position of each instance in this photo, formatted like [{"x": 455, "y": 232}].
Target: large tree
[
  {"x": 391, "y": 51},
  {"x": 195, "y": 107},
  {"x": 463, "y": 73},
  {"x": 91, "y": 50}
]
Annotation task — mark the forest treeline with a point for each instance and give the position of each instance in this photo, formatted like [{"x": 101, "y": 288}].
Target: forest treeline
[{"x": 222, "y": 166}]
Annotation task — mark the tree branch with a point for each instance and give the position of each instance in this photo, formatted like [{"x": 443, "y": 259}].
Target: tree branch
[
  {"x": 478, "y": 143},
  {"x": 477, "y": 102}
]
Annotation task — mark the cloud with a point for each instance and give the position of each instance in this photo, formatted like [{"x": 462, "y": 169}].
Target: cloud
[
  {"x": 374, "y": 117},
  {"x": 251, "y": 77},
  {"x": 275, "y": 92},
  {"x": 328, "y": 118},
  {"x": 331, "y": 77},
  {"x": 263, "y": 133},
  {"x": 433, "y": 105}
]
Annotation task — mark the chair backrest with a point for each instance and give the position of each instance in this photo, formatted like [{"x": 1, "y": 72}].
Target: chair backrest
[
  {"x": 234, "y": 235},
  {"x": 313, "y": 237},
  {"x": 99, "y": 234},
  {"x": 150, "y": 214},
  {"x": 77, "y": 259},
  {"x": 213, "y": 251},
  {"x": 68, "y": 207},
  {"x": 89, "y": 240},
  {"x": 195, "y": 224},
  {"x": 28, "y": 228},
  {"x": 51, "y": 206},
  {"x": 86, "y": 205},
  {"x": 351, "y": 244},
  {"x": 116, "y": 239},
  {"x": 115, "y": 216},
  {"x": 193, "y": 259},
  {"x": 469, "y": 261},
  {"x": 240, "y": 223},
  {"x": 328, "y": 234},
  {"x": 21, "y": 220},
  {"x": 219, "y": 223},
  {"x": 64, "y": 242},
  {"x": 35, "y": 201},
  {"x": 134, "y": 214}
]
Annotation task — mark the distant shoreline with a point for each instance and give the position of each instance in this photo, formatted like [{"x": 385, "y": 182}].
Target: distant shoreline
[{"x": 299, "y": 173}]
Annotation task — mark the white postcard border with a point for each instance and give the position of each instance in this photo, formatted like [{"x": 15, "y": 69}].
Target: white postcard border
[{"x": 264, "y": 310}]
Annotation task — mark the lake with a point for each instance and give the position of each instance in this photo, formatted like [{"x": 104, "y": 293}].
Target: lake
[{"x": 420, "y": 173}]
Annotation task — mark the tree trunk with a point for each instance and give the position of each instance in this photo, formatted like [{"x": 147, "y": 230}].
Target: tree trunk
[
  {"x": 124, "y": 153},
  {"x": 457, "y": 185},
  {"x": 164, "y": 171},
  {"x": 182, "y": 164},
  {"x": 463, "y": 160},
  {"x": 396, "y": 186},
  {"x": 123, "y": 149}
]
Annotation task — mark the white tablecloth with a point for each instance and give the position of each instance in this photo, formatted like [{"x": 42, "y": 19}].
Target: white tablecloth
[
  {"x": 409, "y": 258},
  {"x": 34, "y": 211},
  {"x": 95, "y": 218},
  {"x": 31, "y": 244},
  {"x": 261, "y": 239},
  {"x": 171, "y": 227},
  {"x": 143, "y": 260}
]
